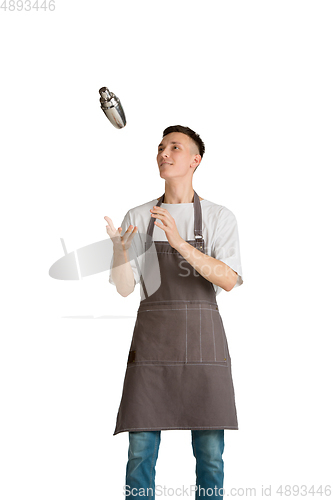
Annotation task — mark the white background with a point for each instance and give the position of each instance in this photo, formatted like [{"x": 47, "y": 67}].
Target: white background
[{"x": 254, "y": 79}]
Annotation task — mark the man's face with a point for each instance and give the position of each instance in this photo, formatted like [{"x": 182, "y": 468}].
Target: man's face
[{"x": 177, "y": 156}]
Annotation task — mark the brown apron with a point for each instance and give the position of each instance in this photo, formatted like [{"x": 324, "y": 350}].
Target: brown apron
[{"x": 178, "y": 373}]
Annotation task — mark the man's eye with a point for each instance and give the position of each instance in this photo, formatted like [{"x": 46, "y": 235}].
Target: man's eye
[{"x": 160, "y": 149}]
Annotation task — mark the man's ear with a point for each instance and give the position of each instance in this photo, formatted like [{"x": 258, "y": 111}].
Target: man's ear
[{"x": 197, "y": 159}]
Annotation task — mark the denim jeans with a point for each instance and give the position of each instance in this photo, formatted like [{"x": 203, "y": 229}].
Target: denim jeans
[{"x": 207, "y": 446}]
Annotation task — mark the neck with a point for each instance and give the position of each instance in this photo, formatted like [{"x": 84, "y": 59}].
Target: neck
[{"x": 178, "y": 194}]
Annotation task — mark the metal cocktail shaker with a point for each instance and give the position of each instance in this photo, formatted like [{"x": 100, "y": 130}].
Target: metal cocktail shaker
[{"x": 112, "y": 108}]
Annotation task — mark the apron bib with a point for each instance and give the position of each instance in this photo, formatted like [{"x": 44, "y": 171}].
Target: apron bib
[{"x": 178, "y": 373}]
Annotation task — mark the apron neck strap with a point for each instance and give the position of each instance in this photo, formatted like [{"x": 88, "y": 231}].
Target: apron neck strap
[{"x": 197, "y": 218}]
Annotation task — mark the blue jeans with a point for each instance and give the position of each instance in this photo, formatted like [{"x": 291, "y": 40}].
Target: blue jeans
[{"x": 207, "y": 446}]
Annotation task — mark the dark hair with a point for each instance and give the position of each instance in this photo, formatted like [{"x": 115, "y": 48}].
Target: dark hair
[{"x": 193, "y": 135}]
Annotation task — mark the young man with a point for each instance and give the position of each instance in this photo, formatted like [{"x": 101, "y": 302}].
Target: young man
[{"x": 178, "y": 372}]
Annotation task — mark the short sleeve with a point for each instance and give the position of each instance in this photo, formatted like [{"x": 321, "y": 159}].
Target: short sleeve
[
  {"x": 225, "y": 245},
  {"x": 133, "y": 251}
]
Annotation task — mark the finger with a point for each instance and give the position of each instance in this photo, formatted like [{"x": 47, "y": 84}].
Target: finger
[
  {"x": 162, "y": 217},
  {"x": 131, "y": 236},
  {"x": 129, "y": 229},
  {"x": 111, "y": 228},
  {"x": 110, "y": 223},
  {"x": 129, "y": 233},
  {"x": 159, "y": 215}
]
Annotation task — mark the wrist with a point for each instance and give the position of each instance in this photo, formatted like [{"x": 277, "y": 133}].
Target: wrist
[
  {"x": 180, "y": 245},
  {"x": 119, "y": 249}
]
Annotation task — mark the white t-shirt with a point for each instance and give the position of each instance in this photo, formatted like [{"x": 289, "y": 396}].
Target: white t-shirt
[{"x": 219, "y": 230}]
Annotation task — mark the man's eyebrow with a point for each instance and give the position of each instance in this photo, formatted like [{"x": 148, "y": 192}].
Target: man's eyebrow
[{"x": 171, "y": 143}]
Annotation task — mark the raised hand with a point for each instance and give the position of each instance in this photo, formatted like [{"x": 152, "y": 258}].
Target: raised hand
[
  {"x": 168, "y": 225},
  {"x": 120, "y": 242}
]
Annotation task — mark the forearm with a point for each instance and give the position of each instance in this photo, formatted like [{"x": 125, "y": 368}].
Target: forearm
[
  {"x": 215, "y": 271},
  {"x": 122, "y": 272}
]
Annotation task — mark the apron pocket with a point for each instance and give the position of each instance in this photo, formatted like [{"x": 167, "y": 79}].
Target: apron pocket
[{"x": 160, "y": 335}]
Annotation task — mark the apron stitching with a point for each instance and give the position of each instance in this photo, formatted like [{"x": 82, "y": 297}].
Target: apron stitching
[
  {"x": 200, "y": 336},
  {"x": 223, "y": 339},
  {"x": 211, "y": 316},
  {"x": 179, "y": 309},
  {"x": 175, "y": 363},
  {"x": 179, "y": 300},
  {"x": 186, "y": 331}
]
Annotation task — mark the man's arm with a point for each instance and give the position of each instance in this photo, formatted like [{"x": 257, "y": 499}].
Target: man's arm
[
  {"x": 122, "y": 272},
  {"x": 215, "y": 271}
]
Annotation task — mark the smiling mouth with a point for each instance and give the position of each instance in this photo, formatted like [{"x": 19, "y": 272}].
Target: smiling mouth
[{"x": 165, "y": 163}]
